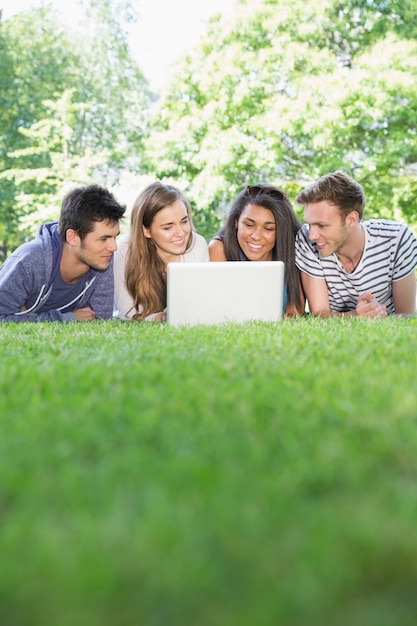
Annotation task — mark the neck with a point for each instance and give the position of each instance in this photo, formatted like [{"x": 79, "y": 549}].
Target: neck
[
  {"x": 169, "y": 258},
  {"x": 351, "y": 252},
  {"x": 71, "y": 268}
]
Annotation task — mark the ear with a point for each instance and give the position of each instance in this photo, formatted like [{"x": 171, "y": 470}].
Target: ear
[
  {"x": 72, "y": 237},
  {"x": 352, "y": 219},
  {"x": 146, "y": 232}
]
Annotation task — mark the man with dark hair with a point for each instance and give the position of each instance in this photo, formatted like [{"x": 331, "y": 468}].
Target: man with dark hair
[
  {"x": 66, "y": 272},
  {"x": 349, "y": 266}
]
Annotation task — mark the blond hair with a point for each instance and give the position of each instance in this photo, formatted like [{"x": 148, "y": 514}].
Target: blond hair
[{"x": 145, "y": 272}]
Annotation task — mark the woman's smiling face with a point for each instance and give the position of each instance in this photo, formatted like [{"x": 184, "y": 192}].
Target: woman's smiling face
[
  {"x": 256, "y": 232},
  {"x": 170, "y": 231}
]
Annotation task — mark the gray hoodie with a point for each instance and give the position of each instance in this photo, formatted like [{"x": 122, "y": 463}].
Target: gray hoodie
[{"x": 26, "y": 279}]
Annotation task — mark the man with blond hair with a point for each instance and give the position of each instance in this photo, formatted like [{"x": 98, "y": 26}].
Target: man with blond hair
[{"x": 349, "y": 266}]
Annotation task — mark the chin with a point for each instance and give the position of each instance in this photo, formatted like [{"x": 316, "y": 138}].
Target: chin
[
  {"x": 100, "y": 268},
  {"x": 259, "y": 257}
]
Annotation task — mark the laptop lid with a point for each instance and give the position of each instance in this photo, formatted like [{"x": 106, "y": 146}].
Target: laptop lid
[{"x": 231, "y": 291}]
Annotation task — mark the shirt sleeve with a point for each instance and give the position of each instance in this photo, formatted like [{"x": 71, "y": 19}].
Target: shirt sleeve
[
  {"x": 18, "y": 283},
  {"x": 198, "y": 251},
  {"x": 123, "y": 302},
  {"x": 306, "y": 259},
  {"x": 406, "y": 254},
  {"x": 102, "y": 296}
]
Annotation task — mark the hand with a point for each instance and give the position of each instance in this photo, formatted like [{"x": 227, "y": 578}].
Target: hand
[
  {"x": 368, "y": 306},
  {"x": 85, "y": 314},
  {"x": 161, "y": 317}
]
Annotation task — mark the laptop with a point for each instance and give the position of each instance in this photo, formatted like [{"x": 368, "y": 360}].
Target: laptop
[{"x": 219, "y": 292}]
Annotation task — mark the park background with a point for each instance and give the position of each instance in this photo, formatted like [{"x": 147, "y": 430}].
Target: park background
[
  {"x": 268, "y": 92},
  {"x": 255, "y": 475}
]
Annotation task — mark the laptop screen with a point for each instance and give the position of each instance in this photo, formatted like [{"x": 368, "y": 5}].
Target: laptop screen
[{"x": 233, "y": 291}]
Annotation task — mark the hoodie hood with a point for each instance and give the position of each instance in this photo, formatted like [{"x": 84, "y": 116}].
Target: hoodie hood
[{"x": 50, "y": 238}]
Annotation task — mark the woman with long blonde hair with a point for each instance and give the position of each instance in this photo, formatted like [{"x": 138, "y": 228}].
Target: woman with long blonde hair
[{"x": 161, "y": 232}]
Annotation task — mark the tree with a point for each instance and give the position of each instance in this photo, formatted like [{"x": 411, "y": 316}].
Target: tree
[
  {"x": 111, "y": 83},
  {"x": 59, "y": 167},
  {"x": 7, "y": 136},
  {"x": 287, "y": 92},
  {"x": 35, "y": 57},
  {"x": 72, "y": 89}
]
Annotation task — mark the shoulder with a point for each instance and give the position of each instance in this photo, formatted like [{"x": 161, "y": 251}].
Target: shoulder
[
  {"x": 198, "y": 240},
  {"x": 216, "y": 250},
  {"x": 384, "y": 228},
  {"x": 122, "y": 246},
  {"x": 123, "y": 240},
  {"x": 393, "y": 242},
  {"x": 302, "y": 234},
  {"x": 302, "y": 240},
  {"x": 198, "y": 251},
  {"x": 32, "y": 252}
]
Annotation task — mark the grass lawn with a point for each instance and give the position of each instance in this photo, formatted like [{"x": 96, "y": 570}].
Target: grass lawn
[{"x": 255, "y": 475}]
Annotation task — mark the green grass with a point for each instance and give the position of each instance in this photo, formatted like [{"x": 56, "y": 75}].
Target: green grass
[{"x": 256, "y": 475}]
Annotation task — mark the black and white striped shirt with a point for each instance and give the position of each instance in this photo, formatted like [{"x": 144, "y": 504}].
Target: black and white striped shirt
[{"x": 390, "y": 254}]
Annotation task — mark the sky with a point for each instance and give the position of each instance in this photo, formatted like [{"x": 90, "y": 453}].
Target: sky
[{"x": 165, "y": 31}]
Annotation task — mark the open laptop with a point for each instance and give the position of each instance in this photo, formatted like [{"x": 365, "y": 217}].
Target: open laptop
[{"x": 231, "y": 291}]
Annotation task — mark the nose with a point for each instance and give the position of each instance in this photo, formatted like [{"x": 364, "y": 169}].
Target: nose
[
  {"x": 180, "y": 230},
  {"x": 112, "y": 245},
  {"x": 256, "y": 234}
]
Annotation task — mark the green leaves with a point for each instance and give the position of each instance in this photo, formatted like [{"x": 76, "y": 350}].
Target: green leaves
[
  {"x": 75, "y": 107},
  {"x": 286, "y": 93},
  {"x": 280, "y": 92}
]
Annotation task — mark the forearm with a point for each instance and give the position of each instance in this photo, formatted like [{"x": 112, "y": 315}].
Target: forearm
[{"x": 48, "y": 316}]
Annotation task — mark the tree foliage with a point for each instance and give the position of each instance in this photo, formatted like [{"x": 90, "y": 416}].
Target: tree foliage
[
  {"x": 75, "y": 106},
  {"x": 279, "y": 92},
  {"x": 285, "y": 92}
]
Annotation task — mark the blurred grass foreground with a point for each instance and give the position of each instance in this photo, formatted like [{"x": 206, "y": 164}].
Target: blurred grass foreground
[{"x": 253, "y": 475}]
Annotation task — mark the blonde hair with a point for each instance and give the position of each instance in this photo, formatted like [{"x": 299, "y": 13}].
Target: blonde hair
[
  {"x": 337, "y": 188},
  {"x": 145, "y": 272}
]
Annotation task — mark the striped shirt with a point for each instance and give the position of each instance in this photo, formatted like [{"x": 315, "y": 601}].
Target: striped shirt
[{"x": 390, "y": 254}]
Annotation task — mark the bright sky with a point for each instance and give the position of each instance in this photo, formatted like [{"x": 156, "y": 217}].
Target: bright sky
[{"x": 166, "y": 30}]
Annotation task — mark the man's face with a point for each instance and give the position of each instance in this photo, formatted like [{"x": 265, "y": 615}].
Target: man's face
[
  {"x": 327, "y": 228},
  {"x": 97, "y": 248}
]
